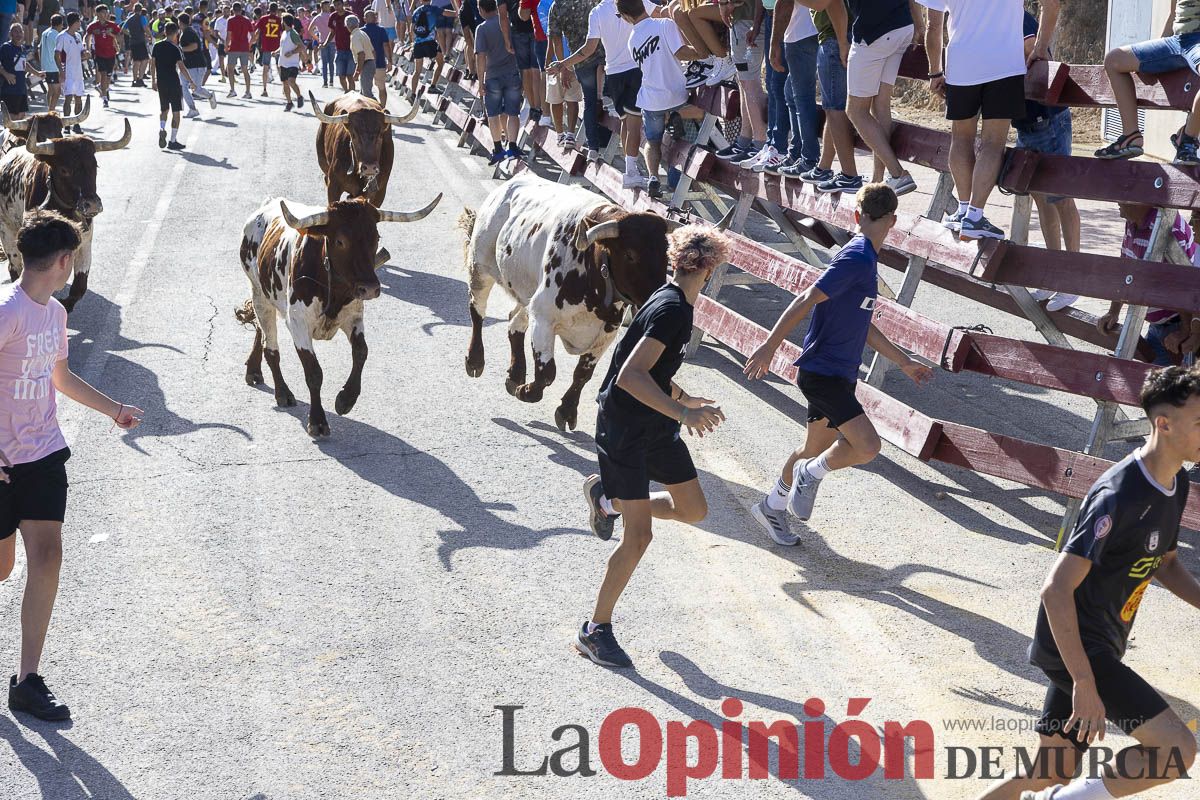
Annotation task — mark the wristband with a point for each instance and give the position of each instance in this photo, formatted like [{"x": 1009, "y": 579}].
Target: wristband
[{"x": 933, "y": 75}]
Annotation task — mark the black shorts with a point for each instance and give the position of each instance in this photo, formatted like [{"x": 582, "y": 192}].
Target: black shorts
[
  {"x": 106, "y": 65},
  {"x": 469, "y": 19},
  {"x": 139, "y": 51},
  {"x": 287, "y": 73},
  {"x": 632, "y": 455},
  {"x": 52, "y": 78},
  {"x": 999, "y": 99},
  {"x": 1128, "y": 700},
  {"x": 622, "y": 89},
  {"x": 829, "y": 398},
  {"x": 170, "y": 97},
  {"x": 425, "y": 50},
  {"x": 15, "y": 103},
  {"x": 35, "y": 491}
]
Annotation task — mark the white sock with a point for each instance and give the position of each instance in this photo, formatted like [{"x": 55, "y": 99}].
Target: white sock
[
  {"x": 963, "y": 205},
  {"x": 591, "y": 627},
  {"x": 818, "y": 468},
  {"x": 974, "y": 214},
  {"x": 1084, "y": 789},
  {"x": 631, "y": 165},
  {"x": 777, "y": 497},
  {"x": 174, "y": 134},
  {"x": 162, "y": 124},
  {"x": 606, "y": 506}
]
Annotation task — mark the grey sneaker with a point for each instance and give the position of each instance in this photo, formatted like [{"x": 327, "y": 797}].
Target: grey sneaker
[
  {"x": 979, "y": 229},
  {"x": 775, "y": 523},
  {"x": 804, "y": 492},
  {"x": 602, "y": 523},
  {"x": 816, "y": 176},
  {"x": 902, "y": 185}
]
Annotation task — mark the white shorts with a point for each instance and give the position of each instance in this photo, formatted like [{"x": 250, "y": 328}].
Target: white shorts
[
  {"x": 556, "y": 94},
  {"x": 73, "y": 85},
  {"x": 872, "y": 65}
]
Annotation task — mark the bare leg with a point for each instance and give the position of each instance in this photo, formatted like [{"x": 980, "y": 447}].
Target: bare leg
[
  {"x": 962, "y": 155},
  {"x": 1120, "y": 64},
  {"x": 987, "y": 163},
  {"x": 43, "y": 550}
]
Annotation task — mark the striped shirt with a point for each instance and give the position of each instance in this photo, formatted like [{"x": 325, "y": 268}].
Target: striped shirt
[
  {"x": 1137, "y": 242},
  {"x": 1187, "y": 17}
]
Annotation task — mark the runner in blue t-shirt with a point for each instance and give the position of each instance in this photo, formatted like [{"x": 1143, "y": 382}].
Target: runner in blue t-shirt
[{"x": 842, "y": 302}]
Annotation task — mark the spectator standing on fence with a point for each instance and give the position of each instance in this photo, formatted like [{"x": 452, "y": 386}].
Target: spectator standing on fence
[
  {"x": 569, "y": 20},
  {"x": 499, "y": 84},
  {"x": 468, "y": 17},
  {"x": 880, "y": 33},
  {"x": 533, "y": 79},
  {"x": 797, "y": 34},
  {"x": 1126, "y": 537},
  {"x": 833, "y": 27},
  {"x": 984, "y": 78},
  {"x": 779, "y": 120},
  {"x": 639, "y": 424},
  {"x": 747, "y": 47},
  {"x": 1179, "y": 48},
  {"x": 444, "y": 32},
  {"x": 705, "y": 27},
  {"x": 842, "y": 301},
  {"x": 1171, "y": 333},
  {"x": 1047, "y": 129}
]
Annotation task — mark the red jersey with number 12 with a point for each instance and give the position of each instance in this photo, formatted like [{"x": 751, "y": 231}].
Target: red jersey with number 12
[{"x": 269, "y": 27}]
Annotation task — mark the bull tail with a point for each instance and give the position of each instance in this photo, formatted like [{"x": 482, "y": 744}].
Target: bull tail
[
  {"x": 466, "y": 221},
  {"x": 245, "y": 313}
]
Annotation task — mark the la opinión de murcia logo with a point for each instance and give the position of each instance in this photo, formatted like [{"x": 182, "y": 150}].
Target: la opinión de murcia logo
[{"x": 853, "y": 750}]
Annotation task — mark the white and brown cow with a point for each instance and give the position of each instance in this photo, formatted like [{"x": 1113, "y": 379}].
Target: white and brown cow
[
  {"x": 59, "y": 174},
  {"x": 573, "y": 262},
  {"x": 314, "y": 267}
]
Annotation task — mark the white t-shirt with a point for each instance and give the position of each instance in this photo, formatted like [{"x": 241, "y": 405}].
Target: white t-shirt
[
  {"x": 384, "y": 15},
  {"x": 221, "y": 26},
  {"x": 613, "y": 32},
  {"x": 289, "y": 49},
  {"x": 73, "y": 48},
  {"x": 800, "y": 26},
  {"x": 652, "y": 46},
  {"x": 987, "y": 39}
]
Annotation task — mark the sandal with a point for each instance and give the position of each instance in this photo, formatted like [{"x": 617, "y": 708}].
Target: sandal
[{"x": 1122, "y": 148}]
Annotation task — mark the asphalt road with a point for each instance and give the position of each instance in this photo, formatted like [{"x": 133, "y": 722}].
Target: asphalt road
[{"x": 245, "y": 613}]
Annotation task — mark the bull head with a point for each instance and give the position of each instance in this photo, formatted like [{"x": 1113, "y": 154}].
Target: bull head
[
  {"x": 71, "y": 163},
  {"x": 630, "y": 250}
]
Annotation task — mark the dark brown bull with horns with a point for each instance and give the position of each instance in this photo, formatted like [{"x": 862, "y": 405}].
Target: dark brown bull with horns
[
  {"x": 50, "y": 126},
  {"x": 354, "y": 146}
]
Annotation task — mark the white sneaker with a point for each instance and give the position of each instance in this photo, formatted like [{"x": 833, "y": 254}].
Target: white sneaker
[
  {"x": 212, "y": 100},
  {"x": 771, "y": 159},
  {"x": 191, "y": 114},
  {"x": 723, "y": 70},
  {"x": 697, "y": 73},
  {"x": 634, "y": 181},
  {"x": 1041, "y": 294},
  {"x": 1060, "y": 301},
  {"x": 757, "y": 158}
]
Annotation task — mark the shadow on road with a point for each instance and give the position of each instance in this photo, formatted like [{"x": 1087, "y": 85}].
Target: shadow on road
[
  {"x": 65, "y": 773},
  {"x": 202, "y": 160},
  {"x": 445, "y": 297}
]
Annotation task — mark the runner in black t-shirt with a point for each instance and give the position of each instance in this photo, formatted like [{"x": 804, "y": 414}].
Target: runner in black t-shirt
[
  {"x": 638, "y": 431},
  {"x": 166, "y": 70},
  {"x": 1126, "y": 537}
]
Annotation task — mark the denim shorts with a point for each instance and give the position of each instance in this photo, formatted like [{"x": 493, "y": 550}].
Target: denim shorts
[
  {"x": 1169, "y": 54},
  {"x": 654, "y": 123},
  {"x": 1051, "y": 136},
  {"x": 523, "y": 49},
  {"x": 1157, "y": 332},
  {"x": 502, "y": 95},
  {"x": 344, "y": 63},
  {"x": 832, "y": 76}
]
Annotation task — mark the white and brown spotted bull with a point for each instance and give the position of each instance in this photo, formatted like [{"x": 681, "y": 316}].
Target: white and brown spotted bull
[
  {"x": 572, "y": 262},
  {"x": 314, "y": 267},
  {"x": 59, "y": 174},
  {"x": 354, "y": 146},
  {"x": 50, "y": 126}
]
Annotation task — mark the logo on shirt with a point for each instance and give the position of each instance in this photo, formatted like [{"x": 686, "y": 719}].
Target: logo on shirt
[
  {"x": 1131, "y": 605},
  {"x": 1145, "y": 567},
  {"x": 1103, "y": 526},
  {"x": 1152, "y": 542},
  {"x": 868, "y": 304},
  {"x": 647, "y": 49},
  {"x": 41, "y": 352}
]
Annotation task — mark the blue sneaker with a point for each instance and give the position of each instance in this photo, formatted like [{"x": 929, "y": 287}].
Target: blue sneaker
[
  {"x": 841, "y": 183},
  {"x": 601, "y": 646},
  {"x": 517, "y": 153},
  {"x": 817, "y": 176},
  {"x": 496, "y": 157}
]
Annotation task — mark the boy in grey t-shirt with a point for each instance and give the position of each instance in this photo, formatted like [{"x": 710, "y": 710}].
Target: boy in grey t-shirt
[{"x": 499, "y": 84}]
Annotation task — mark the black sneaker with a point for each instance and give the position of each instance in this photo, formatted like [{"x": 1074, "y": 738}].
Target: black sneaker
[
  {"x": 1186, "y": 151},
  {"x": 841, "y": 183},
  {"x": 743, "y": 155},
  {"x": 653, "y": 187},
  {"x": 601, "y": 646},
  {"x": 175, "y": 146},
  {"x": 601, "y": 521},
  {"x": 32, "y": 697},
  {"x": 162, "y": 138},
  {"x": 726, "y": 153}
]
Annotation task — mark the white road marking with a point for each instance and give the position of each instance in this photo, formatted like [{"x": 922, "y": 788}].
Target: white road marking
[{"x": 97, "y": 538}]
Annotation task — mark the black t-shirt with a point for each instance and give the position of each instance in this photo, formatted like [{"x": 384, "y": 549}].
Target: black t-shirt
[
  {"x": 166, "y": 55},
  {"x": 515, "y": 23},
  {"x": 12, "y": 58},
  {"x": 873, "y": 19},
  {"x": 666, "y": 317},
  {"x": 1127, "y": 524},
  {"x": 195, "y": 58}
]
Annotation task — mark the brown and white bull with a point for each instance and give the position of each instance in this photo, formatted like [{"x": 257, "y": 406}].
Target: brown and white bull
[
  {"x": 59, "y": 174},
  {"x": 354, "y": 146},
  {"x": 314, "y": 267},
  {"x": 50, "y": 126},
  {"x": 572, "y": 262}
]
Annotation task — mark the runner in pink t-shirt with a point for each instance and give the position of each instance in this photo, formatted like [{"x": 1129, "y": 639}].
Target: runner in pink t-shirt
[{"x": 33, "y": 480}]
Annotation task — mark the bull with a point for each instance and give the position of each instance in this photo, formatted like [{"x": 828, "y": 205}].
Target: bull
[
  {"x": 315, "y": 268},
  {"x": 573, "y": 263},
  {"x": 354, "y": 146},
  {"x": 59, "y": 174},
  {"x": 50, "y": 126}
]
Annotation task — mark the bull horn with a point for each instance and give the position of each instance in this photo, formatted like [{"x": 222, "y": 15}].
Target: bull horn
[
  {"x": 103, "y": 146},
  {"x": 303, "y": 223},
  {"x": 332, "y": 119},
  {"x": 77, "y": 119},
  {"x": 396, "y": 119},
  {"x": 41, "y": 148},
  {"x": 605, "y": 230},
  {"x": 382, "y": 257},
  {"x": 18, "y": 125},
  {"x": 409, "y": 216}
]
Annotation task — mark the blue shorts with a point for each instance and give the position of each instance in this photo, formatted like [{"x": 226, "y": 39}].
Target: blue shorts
[
  {"x": 391, "y": 34},
  {"x": 1049, "y": 135},
  {"x": 1157, "y": 332},
  {"x": 654, "y": 123},
  {"x": 502, "y": 95},
  {"x": 1169, "y": 54},
  {"x": 523, "y": 49},
  {"x": 343, "y": 63},
  {"x": 444, "y": 22},
  {"x": 832, "y": 76}
]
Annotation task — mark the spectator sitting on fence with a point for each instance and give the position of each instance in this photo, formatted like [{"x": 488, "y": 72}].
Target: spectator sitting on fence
[
  {"x": 1047, "y": 129},
  {"x": 704, "y": 28},
  {"x": 657, "y": 47},
  {"x": 1172, "y": 334},
  {"x": 842, "y": 303},
  {"x": 1178, "y": 49},
  {"x": 499, "y": 84},
  {"x": 984, "y": 77}
]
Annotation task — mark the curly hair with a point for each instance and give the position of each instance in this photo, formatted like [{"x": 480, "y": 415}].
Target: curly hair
[{"x": 695, "y": 248}]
